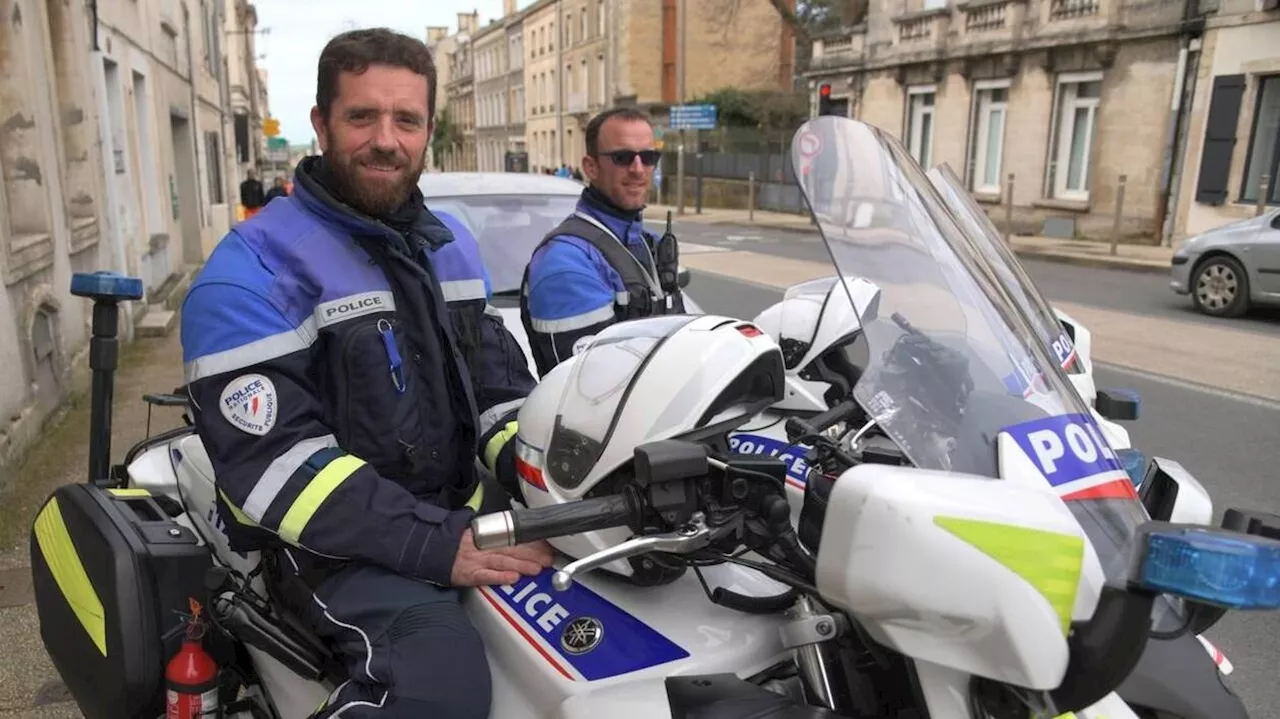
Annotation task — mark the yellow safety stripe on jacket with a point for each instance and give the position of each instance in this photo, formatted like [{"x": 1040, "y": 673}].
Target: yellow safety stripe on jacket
[
  {"x": 314, "y": 494},
  {"x": 477, "y": 498},
  {"x": 499, "y": 440}
]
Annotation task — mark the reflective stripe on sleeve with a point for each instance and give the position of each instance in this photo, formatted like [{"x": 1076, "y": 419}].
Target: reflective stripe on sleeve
[
  {"x": 575, "y": 322},
  {"x": 495, "y": 444},
  {"x": 279, "y": 471},
  {"x": 490, "y": 417},
  {"x": 316, "y": 492},
  {"x": 256, "y": 352},
  {"x": 456, "y": 290}
]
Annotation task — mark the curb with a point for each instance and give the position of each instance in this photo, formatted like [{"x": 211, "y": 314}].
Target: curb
[
  {"x": 1094, "y": 262},
  {"x": 781, "y": 226},
  {"x": 1103, "y": 263}
]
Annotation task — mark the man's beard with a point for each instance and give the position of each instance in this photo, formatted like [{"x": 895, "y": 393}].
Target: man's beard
[{"x": 376, "y": 199}]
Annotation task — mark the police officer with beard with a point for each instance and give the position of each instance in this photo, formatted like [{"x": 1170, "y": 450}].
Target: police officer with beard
[{"x": 346, "y": 373}]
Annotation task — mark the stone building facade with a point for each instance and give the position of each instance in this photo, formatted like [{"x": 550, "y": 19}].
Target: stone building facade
[
  {"x": 116, "y": 152},
  {"x": 542, "y": 110},
  {"x": 1067, "y": 96},
  {"x": 490, "y": 60},
  {"x": 1233, "y": 141},
  {"x": 461, "y": 93}
]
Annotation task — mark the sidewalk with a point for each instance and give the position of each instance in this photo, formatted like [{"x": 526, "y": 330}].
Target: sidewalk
[{"x": 1084, "y": 253}]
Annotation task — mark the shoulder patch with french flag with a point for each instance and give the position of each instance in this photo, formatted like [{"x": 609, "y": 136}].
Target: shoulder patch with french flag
[{"x": 1070, "y": 451}]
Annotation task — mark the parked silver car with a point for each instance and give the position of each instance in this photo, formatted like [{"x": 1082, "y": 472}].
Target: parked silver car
[
  {"x": 1229, "y": 269},
  {"x": 509, "y": 213}
]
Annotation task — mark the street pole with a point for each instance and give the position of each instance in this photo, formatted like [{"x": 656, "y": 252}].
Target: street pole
[
  {"x": 560, "y": 35},
  {"x": 1115, "y": 223},
  {"x": 682, "y": 26}
]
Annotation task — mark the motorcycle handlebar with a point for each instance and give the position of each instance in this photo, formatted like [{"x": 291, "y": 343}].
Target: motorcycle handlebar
[
  {"x": 820, "y": 422},
  {"x": 517, "y": 526}
]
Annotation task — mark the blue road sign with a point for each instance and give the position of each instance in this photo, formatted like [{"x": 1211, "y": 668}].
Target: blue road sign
[{"x": 693, "y": 117}]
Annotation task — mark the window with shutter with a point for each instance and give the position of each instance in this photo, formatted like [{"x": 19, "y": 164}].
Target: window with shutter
[{"x": 1219, "y": 139}]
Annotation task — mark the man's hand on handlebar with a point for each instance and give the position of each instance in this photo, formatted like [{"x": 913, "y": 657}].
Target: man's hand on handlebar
[{"x": 505, "y": 565}]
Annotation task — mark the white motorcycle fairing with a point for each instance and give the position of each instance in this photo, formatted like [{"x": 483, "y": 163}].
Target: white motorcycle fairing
[{"x": 530, "y": 629}]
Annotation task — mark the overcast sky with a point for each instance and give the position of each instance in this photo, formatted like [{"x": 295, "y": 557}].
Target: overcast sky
[{"x": 299, "y": 31}]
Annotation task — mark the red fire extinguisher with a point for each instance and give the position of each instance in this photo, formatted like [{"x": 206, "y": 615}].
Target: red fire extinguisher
[{"x": 191, "y": 676}]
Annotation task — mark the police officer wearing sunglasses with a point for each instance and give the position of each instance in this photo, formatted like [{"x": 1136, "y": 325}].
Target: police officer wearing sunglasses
[{"x": 599, "y": 266}]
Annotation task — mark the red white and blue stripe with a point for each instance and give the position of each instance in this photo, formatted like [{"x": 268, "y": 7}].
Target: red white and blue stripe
[
  {"x": 1071, "y": 452},
  {"x": 540, "y": 614}
]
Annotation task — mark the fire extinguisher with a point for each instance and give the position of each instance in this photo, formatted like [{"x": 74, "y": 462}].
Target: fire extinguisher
[{"x": 191, "y": 677}]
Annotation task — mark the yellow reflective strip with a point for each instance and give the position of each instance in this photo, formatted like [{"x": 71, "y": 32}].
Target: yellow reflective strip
[
  {"x": 497, "y": 442},
  {"x": 318, "y": 490},
  {"x": 477, "y": 497},
  {"x": 1049, "y": 561},
  {"x": 59, "y": 553},
  {"x": 236, "y": 514},
  {"x": 130, "y": 492}
]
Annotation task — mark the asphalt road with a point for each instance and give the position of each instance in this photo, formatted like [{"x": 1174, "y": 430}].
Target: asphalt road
[
  {"x": 1138, "y": 293},
  {"x": 1146, "y": 294},
  {"x": 1226, "y": 441}
]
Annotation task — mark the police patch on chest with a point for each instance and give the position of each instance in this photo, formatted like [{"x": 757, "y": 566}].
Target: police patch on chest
[{"x": 250, "y": 403}]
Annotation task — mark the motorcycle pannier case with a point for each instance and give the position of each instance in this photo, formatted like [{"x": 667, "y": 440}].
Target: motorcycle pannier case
[{"x": 112, "y": 575}]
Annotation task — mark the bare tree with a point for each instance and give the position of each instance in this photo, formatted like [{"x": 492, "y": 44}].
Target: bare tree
[{"x": 789, "y": 17}]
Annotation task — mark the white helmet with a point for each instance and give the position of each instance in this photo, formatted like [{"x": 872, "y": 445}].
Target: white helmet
[
  {"x": 816, "y": 327},
  {"x": 670, "y": 377}
]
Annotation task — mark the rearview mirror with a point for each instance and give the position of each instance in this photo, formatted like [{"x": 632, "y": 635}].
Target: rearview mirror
[
  {"x": 682, "y": 278},
  {"x": 1118, "y": 404},
  {"x": 1171, "y": 494}
]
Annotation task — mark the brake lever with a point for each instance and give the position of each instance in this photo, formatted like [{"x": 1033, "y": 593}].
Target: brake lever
[{"x": 689, "y": 538}]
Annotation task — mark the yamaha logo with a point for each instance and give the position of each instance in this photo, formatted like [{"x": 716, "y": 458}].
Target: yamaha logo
[{"x": 582, "y": 635}]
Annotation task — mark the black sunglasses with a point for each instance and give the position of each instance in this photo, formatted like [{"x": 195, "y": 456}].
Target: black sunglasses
[{"x": 624, "y": 158}]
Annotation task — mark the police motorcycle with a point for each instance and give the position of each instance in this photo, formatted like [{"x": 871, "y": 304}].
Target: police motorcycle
[
  {"x": 817, "y": 334},
  {"x": 999, "y": 564}
]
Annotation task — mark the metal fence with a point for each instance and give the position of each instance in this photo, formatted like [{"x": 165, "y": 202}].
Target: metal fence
[
  {"x": 732, "y": 153},
  {"x": 735, "y": 154}
]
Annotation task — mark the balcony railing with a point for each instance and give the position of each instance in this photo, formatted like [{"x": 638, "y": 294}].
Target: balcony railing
[
  {"x": 991, "y": 16},
  {"x": 1070, "y": 9},
  {"x": 920, "y": 28}
]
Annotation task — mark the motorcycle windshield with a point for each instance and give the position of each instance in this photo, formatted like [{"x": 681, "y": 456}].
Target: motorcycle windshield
[
  {"x": 952, "y": 361},
  {"x": 1007, "y": 271},
  {"x": 599, "y": 383}
]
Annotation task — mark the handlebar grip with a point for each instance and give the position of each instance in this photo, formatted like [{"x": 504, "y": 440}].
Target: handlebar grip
[
  {"x": 823, "y": 421},
  {"x": 517, "y": 526}
]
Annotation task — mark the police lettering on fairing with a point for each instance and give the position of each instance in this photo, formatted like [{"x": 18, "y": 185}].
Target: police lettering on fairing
[
  {"x": 1063, "y": 349},
  {"x": 1071, "y": 453},
  {"x": 604, "y": 640},
  {"x": 797, "y": 467},
  {"x": 537, "y": 605}
]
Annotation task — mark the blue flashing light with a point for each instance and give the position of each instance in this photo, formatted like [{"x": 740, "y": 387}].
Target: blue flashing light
[
  {"x": 1237, "y": 571},
  {"x": 1135, "y": 463},
  {"x": 106, "y": 285}
]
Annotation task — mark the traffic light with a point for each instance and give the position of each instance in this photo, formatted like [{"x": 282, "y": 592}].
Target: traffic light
[
  {"x": 824, "y": 99},
  {"x": 271, "y": 127}
]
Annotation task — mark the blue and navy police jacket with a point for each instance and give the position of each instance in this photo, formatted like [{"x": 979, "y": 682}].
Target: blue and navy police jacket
[
  {"x": 345, "y": 376},
  {"x": 572, "y": 291}
]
